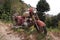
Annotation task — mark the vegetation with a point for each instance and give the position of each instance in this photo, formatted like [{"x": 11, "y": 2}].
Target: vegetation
[
  {"x": 9, "y": 7},
  {"x": 42, "y": 7},
  {"x": 53, "y": 21}
]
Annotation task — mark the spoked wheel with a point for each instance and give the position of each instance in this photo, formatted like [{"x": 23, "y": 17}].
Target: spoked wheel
[
  {"x": 45, "y": 30},
  {"x": 41, "y": 30}
]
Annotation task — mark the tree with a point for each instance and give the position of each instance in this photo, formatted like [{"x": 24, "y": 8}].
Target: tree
[
  {"x": 59, "y": 25},
  {"x": 42, "y": 7},
  {"x": 48, "y": 22},
  {"x": 41, "y": 15},
  {"x": 58, "y": 16},
  {"x": 54, "y": 21}
]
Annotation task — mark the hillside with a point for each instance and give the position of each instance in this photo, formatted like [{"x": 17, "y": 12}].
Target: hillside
[{"x": 7, "y": 34}]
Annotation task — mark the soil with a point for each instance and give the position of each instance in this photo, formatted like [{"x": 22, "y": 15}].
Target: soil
[{"x": 7, "y": 34}]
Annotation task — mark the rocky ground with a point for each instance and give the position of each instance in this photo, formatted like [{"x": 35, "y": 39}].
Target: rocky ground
[{"x": 7, "y": 34}]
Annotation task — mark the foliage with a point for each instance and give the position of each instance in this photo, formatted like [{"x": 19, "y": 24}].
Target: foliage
[
  {"x": 58, "y": 16},
  {"x": 59, "y": 25},
  {"x": 6, "y": 7},
  {"x": 9, "y": 7},
  {"x": 53, "y": 21},
  {"x": 42, "y": 7},
  {"x": 48, "y": 22},
  {"x": 41, "y": 16}
]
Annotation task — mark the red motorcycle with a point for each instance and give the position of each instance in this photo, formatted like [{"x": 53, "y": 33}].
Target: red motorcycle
[{"x": 26, "y": 22}]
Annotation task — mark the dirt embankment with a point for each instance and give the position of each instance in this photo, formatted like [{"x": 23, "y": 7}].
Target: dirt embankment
[{"x": 7, "y": 34}]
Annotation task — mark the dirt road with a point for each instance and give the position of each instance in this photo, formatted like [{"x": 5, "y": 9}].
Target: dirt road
[
  {"x": 4, "y": 30},
  {"x": 53, "y": 37},
  {"x": 6, "y": 34}
]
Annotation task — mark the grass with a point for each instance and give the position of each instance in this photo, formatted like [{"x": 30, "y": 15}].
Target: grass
[
  {"x": 41, "y": 37},
  {"x": 53, "y": 30},
  {"x": 27, "y": 30},
  {"x": 32, "y": 31}
]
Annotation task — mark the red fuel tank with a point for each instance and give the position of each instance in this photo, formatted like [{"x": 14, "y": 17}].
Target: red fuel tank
[{"x": 40, "y": 23}]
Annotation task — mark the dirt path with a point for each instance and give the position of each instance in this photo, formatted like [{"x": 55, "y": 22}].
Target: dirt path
[
  {"x": 53, "y": 37},
  {"x": 4, "y": 30},
  {"x": 6, "y": 34}
]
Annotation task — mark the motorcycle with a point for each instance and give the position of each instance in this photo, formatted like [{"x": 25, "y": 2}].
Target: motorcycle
[
  {"x": 38, "y": 24},
  {"x": 22, "y": 22}
]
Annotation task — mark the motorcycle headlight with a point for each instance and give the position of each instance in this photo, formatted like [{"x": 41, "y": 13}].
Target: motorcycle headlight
[{"x": 34, "y": 11}]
